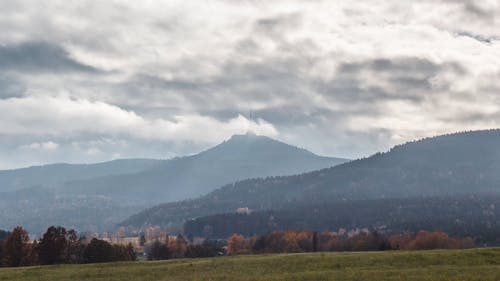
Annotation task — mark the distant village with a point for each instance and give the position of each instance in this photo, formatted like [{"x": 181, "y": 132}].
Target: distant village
[{"x": 138, "y": 239}]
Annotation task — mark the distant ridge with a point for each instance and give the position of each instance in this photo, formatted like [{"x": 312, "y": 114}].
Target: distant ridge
[
  {"x": 97, "y": 196},
  {"x": 240, "y": 157},
  {"x": 453, "y": 164},
  {"x": 54, "y": 175}
]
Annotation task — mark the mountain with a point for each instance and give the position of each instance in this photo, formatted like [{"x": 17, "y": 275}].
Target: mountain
[
  {"x": 475, "y": 216},
  {"x": 96, "y": 197},
  {"x": 462, "y": 163},
  {"x": 55, "y": 175},
  {"x": 38, "y": 208},
  {"x": 240, "y": 157}
]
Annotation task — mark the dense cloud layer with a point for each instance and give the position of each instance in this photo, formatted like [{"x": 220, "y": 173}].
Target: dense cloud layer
[{"x": 95, "y": 80}]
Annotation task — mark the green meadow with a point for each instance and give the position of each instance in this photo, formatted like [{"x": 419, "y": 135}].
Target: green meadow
[{"x": 475, "y": 264}]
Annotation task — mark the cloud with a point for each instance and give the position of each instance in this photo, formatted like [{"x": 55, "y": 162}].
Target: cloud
[
  {"x": 11, "y": 87},
  {"x": 483, "y": 8},
  {"x": 172, "y": 77},
  {"x": 63, "y": 116},
  {"x": 44, "y": 146},
  {"x": 38, "y": 57}
]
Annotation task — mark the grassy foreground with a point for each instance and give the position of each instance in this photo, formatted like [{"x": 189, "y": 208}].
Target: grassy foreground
[{"x": 477, "y": 264}]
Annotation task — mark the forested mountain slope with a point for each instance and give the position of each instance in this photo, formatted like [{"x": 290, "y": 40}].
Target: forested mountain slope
[
  {"x": 475, "y": 216},
  {"x": 462, "y": 163}
]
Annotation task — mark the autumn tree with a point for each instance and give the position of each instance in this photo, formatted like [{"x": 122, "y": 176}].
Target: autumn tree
[
  {"x": 206, "y": 249},
  {"x": 98, "y": 251},
  {"x": 16, "y": 248},
  {"x": 158, "y": 251},
  {"x": 236, "y": 244},
  {"x": 74, "y": 248},
  {"x": 306, "y": 241},
  {"x": 324, "y": 240},
  {"x": 31, "y": 257},
  {"x": 52, "y": 248},
  {"x": 401, "y": 241},
  {"x": 438, "y": 240},
  {"x": 315, "y": 242},
  {"x": 123, "y": 253},
  {"x": 259, "y": 244},
  {"x": 177, "y": 246}
]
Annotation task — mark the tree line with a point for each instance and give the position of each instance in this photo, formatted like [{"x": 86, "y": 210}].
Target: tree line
[
  {"x": 182, "y": 248},
  {"x": 309, "y": 241},
  {"x": 61, "y": 246},
  {"x": 290, "y": 241},
  {"x": 58, "y": 246}
]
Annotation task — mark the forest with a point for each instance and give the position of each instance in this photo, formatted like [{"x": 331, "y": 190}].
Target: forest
[
  {"x": 454, "y": 165},
  {"x": 475, "y": 216}
]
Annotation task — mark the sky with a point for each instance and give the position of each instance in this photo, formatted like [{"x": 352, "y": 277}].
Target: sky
[{"x": 90, "y": 81}]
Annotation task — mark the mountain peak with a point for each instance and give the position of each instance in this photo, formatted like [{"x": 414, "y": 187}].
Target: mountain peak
[
  {"x": 248, "y": 136},
  {"x": 252, "y": 146}
]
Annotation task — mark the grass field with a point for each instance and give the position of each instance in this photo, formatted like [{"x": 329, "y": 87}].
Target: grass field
[{"x": 480, "y": 264}]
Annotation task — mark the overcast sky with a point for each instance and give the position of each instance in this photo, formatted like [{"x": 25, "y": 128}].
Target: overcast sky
[{"x": 87, "y": 81}]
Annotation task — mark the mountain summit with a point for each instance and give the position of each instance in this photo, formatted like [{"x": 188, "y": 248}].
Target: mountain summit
[
  {"x": 113, "y": 194},
  {"x": 240, "y": 157},
  {"x": 254, "y": 147}
]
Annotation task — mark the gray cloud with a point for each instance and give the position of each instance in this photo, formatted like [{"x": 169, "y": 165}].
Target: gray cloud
[
  {"x": 480, "y": 10},
  {"x": 11, "y": 87},
  {"x": 82, "y": 82},
  {"x": 480, "y": 38},
  {"x": 39, "y": 57},
  {"x": 398, "y": 79}
]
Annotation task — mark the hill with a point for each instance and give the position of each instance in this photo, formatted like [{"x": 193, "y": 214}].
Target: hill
[
  {"x": 462, "y": 163},
  {"x": 458, "y": 265},
  {"x": 474, "y": 216},
  {"x": 53, "y": 195},
  {"x": 38, "y": 208},
  {"x": 55, "y": 175},
  {"x": 240, "y": 157}
]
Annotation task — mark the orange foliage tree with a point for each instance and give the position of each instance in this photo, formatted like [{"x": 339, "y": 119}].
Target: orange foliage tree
[{"x": 237, "y": 244}]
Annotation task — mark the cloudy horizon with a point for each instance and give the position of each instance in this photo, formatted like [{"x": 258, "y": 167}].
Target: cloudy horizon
[{"x": 93, "y": 81}]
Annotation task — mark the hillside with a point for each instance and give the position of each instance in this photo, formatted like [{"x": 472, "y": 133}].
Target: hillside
[
  {"x": 474, "y": 216},
  {"x": 38, "y": 208},
  {"x": 55, "y": 175},
  {"x": 462, "y": 163},
  {"x": 52, "y": 195},
  {"x": 240, "y": 157},
  {"x": 458, "y": 265}
]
